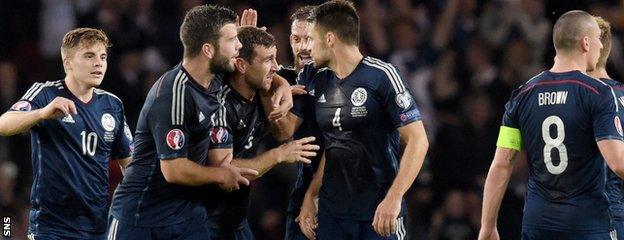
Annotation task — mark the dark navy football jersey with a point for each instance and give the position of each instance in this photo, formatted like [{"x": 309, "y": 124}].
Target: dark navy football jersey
[
  {"x": 70, "y": 155},
  {"x": 359, "y": 117},
  {"x": 246, "y": 127},
  {"x": 174, "y": 123},
  {"x": 303, "y": 107},
  {"x": 561, "y": 116},
  {"x": 289, "y": 73},
  {"x": 615, "y": 183}
]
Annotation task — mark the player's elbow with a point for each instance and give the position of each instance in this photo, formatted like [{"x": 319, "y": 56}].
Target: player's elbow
[
  {"x": 618, "y": 168},
  {"x": 169, "y": 172}
]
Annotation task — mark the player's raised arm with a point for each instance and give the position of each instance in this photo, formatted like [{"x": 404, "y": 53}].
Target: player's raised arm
[
  {"x": 281, "y": 125},
  {"x": 29, "y": 111}
]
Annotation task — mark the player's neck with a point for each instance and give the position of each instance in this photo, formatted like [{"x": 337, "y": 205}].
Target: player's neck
[
  {"x": 81, "y": 90},
  {"x": 568, "y": 62},
  {"x": 241, "y": 87},
  {"x": 599, "y": 73},
  {"x": 346, "y": 59},
  {"x": 199, "y": 71}
]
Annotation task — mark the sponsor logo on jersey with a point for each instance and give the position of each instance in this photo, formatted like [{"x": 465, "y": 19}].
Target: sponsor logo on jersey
[
  {"x": 241, "y": 124},
  {"x": 68, "y": 119},
  {"x": 218, "y": 135},
  {"x": 311, "y": 92},
  {"x": 322, "y": 99},
  {"x": 22, "y": 106},
  {"x": 621, "y": 101},
  {"x": 175, "y": 139},
  {"x": 358, "y": 97},
  {"x": 404, "y": 99},
  {"x": 618, "y": 125},
  {"x": 108, "y": 122}
]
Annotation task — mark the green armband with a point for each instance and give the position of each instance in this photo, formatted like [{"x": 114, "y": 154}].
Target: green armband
[{"x": 509, "y": 138}]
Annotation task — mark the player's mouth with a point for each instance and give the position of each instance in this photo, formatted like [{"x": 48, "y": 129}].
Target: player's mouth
[
  {"x": 97, "y": 73},
  {"x": 304, "y": 58}
]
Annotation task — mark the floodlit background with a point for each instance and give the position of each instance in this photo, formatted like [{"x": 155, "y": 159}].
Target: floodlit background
[{"x": 461, "y": 59}]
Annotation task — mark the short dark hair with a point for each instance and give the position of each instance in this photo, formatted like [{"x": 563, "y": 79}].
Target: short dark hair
[
  {"x": 87, "y": 36},
  {"x": 251, "y": 37},
  {"x": 339, "y": 17},
  {"x": 570, "y": 28},
  {"x": 302, "y": 14},
  {"x": 201, "y": 25}
]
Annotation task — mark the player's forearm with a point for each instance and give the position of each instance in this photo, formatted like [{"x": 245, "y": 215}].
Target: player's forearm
[
  {"x": 261, "y": 163},
  {"x": 284, "y": 128},
  {"x": 186, "y": 172},
  {"x": 495, "y": 186},
  {"x": 12, "y": 123},
  {"x": 411, "y": 163},
  {"x": 317, "y": 181}
]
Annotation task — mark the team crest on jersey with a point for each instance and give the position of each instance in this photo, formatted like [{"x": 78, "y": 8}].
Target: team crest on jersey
[
  {"x": 404, "y": 99},
  {"x": 358, "y": 97},
  {"x": 23, "y": 106},
  {"x": 108, "y": 122},
  {"x": 175, "y": 139},
  {"x": 618, "y": 125},
  {"x": 218, "y": 135}
]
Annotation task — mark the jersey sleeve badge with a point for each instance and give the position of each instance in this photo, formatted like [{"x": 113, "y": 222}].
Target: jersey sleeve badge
[{"x": 175, "y": 139}]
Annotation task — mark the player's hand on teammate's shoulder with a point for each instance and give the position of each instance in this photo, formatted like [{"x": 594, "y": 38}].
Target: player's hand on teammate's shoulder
[
  {"x": 488, "y": 234},
  {"x": 299, "y": 150},
  {"x": 298, "y": 90},
  {"x": 386, "y": 215},
  {"x": 282, "y": 101},
  {"x": 307, "y": 218},
  {"x": 233, "y": 176},
  {"x": 59, "y": 107}
]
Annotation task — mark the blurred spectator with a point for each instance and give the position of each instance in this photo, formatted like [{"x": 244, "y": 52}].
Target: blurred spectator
[{"x": 452, "y": 221}]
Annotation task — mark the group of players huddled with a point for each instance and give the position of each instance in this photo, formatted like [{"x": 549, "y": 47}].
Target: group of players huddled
[
  {"x": 347, "y": 120},
  {"x": 188, "y": 165}
]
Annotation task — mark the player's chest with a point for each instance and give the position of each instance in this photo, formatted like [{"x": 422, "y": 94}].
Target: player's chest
[
  {"x": 249, "y": 126},
  {"x": 345, "y": 106}
]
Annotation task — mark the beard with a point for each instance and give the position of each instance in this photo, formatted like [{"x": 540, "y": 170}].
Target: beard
[{"x": 221, "y": 64}]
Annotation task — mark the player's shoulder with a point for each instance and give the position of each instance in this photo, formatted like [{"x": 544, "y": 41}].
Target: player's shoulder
[
  {"x": 173, "y": 82},
  {"x": 42, "y": 88},
  {"x": 383, "y": 72},
  {"x": 108, "y": 96}
]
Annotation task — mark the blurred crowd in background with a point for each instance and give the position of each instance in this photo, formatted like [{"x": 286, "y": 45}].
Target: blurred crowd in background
[{"x": 461, "y": 59}]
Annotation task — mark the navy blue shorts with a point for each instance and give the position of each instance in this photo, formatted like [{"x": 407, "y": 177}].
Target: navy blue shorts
[
  {"x": 293, "y": 232},
  {"x": 540, "y": 234},
  {"x": 243, "y": 233},
  {"x": 331, "y": 228},
  {"x": 188, "y": 230}
]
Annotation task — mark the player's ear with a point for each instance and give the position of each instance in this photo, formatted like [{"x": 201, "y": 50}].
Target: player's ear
[
  {"x": 208, "y": 50},
  {"x": 240, "y": 65},
  {"x": 585, "y": 44},
  {"x": 66, "y": 62},
  {"x": 330, "y": 39}
]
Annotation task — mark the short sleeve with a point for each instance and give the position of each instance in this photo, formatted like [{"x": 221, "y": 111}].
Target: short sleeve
[
  {"x": 33, "y": 99},
  {"x": 221, "y": 136},
  {"x": 122, "y": 146},
  {"x": 509, "y": 117},
  {"x": 397, "y": 98},
  {"x": 509, "y": 135},
  {"x": 167, "y": 122},
  {"x": 605, "y": 114}
]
